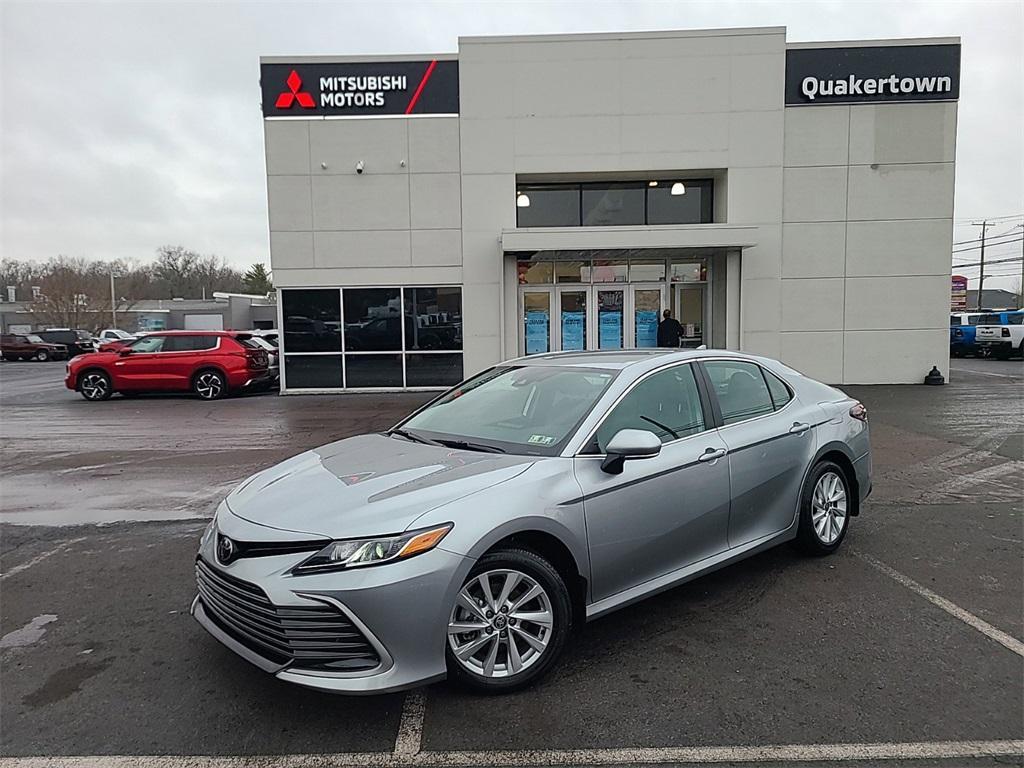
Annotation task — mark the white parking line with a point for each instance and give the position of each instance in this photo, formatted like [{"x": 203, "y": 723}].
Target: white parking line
[
  {"x": 783, "y": 753},
  {"x": 410, "y": 729},
  {"x": 952, "y": 609},
  {"x": 39, "y": 558}
]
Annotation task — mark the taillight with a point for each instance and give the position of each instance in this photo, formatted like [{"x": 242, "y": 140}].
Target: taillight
[
  {"x": 1006, "y": 331},
  {"x": 859, "y": 412}
]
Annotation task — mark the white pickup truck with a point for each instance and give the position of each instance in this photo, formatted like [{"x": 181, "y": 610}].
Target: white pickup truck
[{"x": 1002, "y": 340}]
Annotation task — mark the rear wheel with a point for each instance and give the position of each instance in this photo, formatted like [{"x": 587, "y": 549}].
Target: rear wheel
[
  {"x": 825, "y": 507},
  {"x": 95, "y": 385},
  {"x": 210, "y": 385},
  {"x": 509, "y": 624},
  {"x": 42, "y": 355}
]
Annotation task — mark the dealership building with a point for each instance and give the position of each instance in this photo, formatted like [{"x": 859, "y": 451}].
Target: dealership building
[{"x": 433, "y": 215}]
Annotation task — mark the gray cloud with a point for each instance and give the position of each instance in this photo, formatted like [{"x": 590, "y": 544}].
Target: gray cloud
[{"x": 125, "y": 126}]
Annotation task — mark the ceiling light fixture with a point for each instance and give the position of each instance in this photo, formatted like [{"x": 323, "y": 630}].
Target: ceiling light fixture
[
  {"x": 678, "y": 188},
  {"x": 522, "y": 200},
  {"x": 652, "y": 183}
]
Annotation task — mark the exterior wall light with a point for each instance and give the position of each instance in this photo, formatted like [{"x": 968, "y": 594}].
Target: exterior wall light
[
  {"x": 678, "y": 188},
  {"x": 522, "y": 200}
]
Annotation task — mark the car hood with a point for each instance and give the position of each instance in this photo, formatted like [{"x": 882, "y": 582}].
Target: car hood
[{"x": 366, "y": 486}]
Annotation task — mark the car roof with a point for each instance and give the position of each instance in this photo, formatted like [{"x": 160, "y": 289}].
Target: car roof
[
  {"x": 620, "y": 359},
  {"x": 194, "y": 333}
]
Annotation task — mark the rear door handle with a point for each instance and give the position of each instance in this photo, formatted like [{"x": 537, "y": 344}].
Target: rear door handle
[
  {"x": 711, "y": 454},
  {"x": 798, "y": 428}
]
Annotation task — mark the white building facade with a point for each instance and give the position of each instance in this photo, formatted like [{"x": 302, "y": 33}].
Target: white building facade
[{"x": 431, "y": 216}]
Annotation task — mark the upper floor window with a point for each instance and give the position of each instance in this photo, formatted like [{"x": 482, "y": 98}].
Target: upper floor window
[{"x": 615, "y": 203}]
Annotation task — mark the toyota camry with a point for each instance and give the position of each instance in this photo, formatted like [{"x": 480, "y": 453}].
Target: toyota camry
[{"x": 472, "y": 538}]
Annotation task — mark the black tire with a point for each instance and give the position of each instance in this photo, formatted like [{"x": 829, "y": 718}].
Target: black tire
[
  {"x": 548, "y": 578},
  {"x": 808, "y": 538},
  {"x": 95, "y": 385},
  {"x": 41, "y": 355},
  {"x": 210, "y": 384}
]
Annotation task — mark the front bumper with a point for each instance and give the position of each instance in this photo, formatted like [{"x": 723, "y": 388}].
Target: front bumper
[{"x": 401, "y": 608}]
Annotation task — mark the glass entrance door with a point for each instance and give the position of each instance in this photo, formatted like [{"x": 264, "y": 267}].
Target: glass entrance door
[
  {"x": 535, "y": 313},
  {"x": 691, "y": 311},
  {"x": 647, "y": 307},
  {"x": 611, "y": 318},
  {"x": 572, "y": 319}
]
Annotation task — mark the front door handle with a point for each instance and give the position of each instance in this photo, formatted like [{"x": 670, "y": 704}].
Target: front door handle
[
  {"x": 798, "y": 428},
  {"x": 711, "y": 454}
]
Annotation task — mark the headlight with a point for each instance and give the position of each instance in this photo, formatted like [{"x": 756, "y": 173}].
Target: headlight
[{"x": 356, "y": 553}]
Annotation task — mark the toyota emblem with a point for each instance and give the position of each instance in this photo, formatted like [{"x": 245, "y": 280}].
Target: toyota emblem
[{"x": 225, "y": 549}]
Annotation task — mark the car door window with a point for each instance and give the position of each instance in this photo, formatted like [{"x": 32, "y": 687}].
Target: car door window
[
  {"x": 741, "y": 390},
  {"x": 777, "y": 389},
  {"x": 1015, "y": 320},
  {"x": 666, "y": 403},
  {"x": 149, "y": 344},
  {"x": 201, "y": 343}
]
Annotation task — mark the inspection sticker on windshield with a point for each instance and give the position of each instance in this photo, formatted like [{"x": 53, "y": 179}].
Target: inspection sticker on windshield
[{"x": 540, "y": 440}]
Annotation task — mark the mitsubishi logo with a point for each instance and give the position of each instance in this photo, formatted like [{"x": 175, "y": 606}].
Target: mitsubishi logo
[{"x": 293, "y": 94}]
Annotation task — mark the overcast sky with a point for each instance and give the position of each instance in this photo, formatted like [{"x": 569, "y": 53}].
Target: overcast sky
[{"x": 127, "y": 126}]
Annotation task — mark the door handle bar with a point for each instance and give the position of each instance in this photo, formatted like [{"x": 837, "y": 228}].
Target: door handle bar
[
  {"x": 711, "y": 454},
  {"x": 798, "y": 428}
]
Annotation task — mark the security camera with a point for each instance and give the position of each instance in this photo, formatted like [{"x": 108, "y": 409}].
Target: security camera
[{"x": 359, "y": 167}]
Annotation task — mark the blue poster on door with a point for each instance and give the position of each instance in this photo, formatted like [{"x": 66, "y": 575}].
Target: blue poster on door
[
  {"x": 609, "y": 330},
  {"x": 536, "y": 332},
  {"x": 646, "y": 328},
  {"x": 573, "y": 338}
]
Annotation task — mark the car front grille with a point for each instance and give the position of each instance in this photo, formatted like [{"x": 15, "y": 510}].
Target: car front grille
[{"x": 307, "y": 637}]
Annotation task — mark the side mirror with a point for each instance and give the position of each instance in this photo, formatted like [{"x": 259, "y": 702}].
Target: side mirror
[
  {"x": 629, "y": 444},
  {"x": 124, "y": 351}
]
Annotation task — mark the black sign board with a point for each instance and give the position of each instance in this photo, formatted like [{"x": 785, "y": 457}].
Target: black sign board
[
  {"x": 884, "y": 73},
  {"x": 360, "y": 89}
]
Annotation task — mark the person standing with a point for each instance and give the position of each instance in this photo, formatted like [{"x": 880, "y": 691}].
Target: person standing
[{"x": 669, "y": 330}]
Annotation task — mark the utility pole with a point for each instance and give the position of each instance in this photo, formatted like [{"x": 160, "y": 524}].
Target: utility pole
[
  {"x": 981, "y": 260},
  {"x": 113, "y": 301}
]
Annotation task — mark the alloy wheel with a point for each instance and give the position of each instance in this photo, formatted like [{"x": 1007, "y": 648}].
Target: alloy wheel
[
  {"x": 95, "y": 386},
  {"x": 501, "y": 624},
  {"x": 209, "y": 386},
  {"x": 828, "y": 507},
  {"x": 42, "y": 356}
]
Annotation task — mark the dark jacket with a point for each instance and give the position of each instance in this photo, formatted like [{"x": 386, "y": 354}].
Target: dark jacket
[{"x": 669, "y": 332}]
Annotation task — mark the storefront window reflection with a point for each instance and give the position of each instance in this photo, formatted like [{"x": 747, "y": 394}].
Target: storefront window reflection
[{"x": 418, "y": 330}]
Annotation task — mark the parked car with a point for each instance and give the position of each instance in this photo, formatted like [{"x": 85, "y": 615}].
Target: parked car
[
  {"x": 961, "y": 333},
  {"x": 16, "y": 346},
  {"x": 273, "y": 354},
  {"x": 114, "y": 334},
  {"x": 1003, "y": 340},
  {"x": 77, "y": 342},
  {"x": 212, "y": 364},
  {"x": 964, "y": 327},
  {"x": 469, "y": 539}
]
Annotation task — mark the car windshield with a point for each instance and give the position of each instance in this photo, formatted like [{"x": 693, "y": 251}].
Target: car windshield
[
  {"x": 35, "y": 339},
  {"x": 515, "y": 409}
]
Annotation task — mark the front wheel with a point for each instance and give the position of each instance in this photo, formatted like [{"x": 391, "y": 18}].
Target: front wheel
[
  {"x": 42, "y": 355},
  {"x": 825, "y": 506},
  {"x": 210, "y": 385},
  {"x": 95, "y": 386},
  {"x": 510, "y": 622}
]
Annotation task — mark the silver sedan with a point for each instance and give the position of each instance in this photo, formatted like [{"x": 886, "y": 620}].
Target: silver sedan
[{"x": 469, "y": 540}]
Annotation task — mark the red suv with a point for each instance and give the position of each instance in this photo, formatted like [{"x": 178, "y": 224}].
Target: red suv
[{"x": 210, "y": 363}]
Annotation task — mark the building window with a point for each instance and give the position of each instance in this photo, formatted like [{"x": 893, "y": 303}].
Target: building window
[
  {"x": 615, "y": 203},
  {"x": 312, "y": 320},
  {"x": 354, "y": 338}
]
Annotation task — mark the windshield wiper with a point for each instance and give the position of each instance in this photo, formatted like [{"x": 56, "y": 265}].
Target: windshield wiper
[
  {"x": 463, "y": 445},
  {"x": 414, "y": 437}
]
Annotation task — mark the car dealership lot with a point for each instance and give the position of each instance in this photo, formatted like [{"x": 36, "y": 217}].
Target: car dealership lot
[{"x": 909, "y": 639}]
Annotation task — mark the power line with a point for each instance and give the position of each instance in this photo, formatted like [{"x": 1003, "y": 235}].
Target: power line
[
  {"x": 989, "y": 243},
  {"x": 989, "y": 218},
  {"x": 1008, "y": 233},
  {"x": 997, "y": 261}
]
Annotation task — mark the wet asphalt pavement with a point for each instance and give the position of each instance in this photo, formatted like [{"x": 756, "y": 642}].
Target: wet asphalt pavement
[{"x": 100, "y": 656}]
